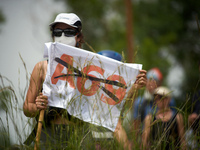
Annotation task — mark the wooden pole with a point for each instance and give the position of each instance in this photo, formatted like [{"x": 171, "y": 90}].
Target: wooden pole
[
  {"x": 39, "y": 130},
  {"x": 129, "y": 31}
]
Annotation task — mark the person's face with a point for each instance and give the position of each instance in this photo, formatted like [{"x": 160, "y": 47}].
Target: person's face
[
  {"x": 161, "y": 101},
  {"x": 151, "y": 85},
  {"x": 63, "y": 26}
]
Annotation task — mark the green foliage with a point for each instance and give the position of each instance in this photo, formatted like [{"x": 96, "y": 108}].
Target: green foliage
[
  {"x": 101, "y": 23},
  {"x": 4, "y": 98},
  {"x": 162, "y": 29},
  {"x": 2, "y": 18}
]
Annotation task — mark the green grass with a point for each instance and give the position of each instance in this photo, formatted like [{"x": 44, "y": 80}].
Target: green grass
[{"x": 10, "y": 105}]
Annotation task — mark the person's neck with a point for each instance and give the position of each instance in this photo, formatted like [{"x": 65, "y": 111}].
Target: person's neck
[
  {"x": 164, "y": 110},
  {"x": 164, "y": 114}
]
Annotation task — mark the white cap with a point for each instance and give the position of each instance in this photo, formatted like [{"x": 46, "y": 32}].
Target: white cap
[
  {"x": 164, "y": 91},
  {"x": 68, "y": 18}
]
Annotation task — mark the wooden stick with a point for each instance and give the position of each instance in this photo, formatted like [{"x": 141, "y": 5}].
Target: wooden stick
[{"x": 39, "y": 130}]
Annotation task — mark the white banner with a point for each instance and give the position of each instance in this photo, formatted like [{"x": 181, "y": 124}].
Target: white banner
[{"x": 90, "y": 86}]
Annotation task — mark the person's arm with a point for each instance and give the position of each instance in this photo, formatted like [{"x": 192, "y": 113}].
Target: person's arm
[
  {"x": 135, "y": 127},
  {"x": 141, "y": 81},
  {"x": 136, "y": 118},
  {"x": 192, "y": 117},
  {"x": 120, "y": 133},
  {"x": 181, "y": 131},
  {"x": 121, "y": 136},
  {"x": 146, "y": 131},
  {"x": 196, "y": 109},
  {"x": 34, "y": 100}
]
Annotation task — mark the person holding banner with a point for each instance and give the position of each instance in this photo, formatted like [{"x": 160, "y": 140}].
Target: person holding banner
[
  {"x": 102, "y": 136},
  {"x": 67, "y": 29},
  {"x": 62, "y": 130}
]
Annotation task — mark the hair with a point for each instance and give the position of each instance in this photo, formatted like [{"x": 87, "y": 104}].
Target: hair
[{"x": 80, "y": 35}]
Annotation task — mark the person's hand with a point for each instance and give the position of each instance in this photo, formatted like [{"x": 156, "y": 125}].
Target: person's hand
[
  {"x": 41, "y": 102},
  {"x": 192, "y": 117},
  {"x": 141, "y": 79}
]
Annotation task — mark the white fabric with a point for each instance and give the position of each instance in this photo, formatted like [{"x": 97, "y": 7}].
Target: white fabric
[
  {"x": 87, "y": 100},
  {"x": 66, "y": 40},
  {"x": 148, "y": 96},
  {"x": 67, "y": 18},
  {"x": 100, "y": 135},
  {"x": 161, "y": 90}
]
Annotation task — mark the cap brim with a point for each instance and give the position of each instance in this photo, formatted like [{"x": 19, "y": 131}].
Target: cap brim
[{"x": 53, "y": 23}]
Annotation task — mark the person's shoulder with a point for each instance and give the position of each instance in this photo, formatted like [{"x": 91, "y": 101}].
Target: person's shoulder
[
  {"x": 41, "y": 64},
  {"x": 149, "y": 117},
  {"x": 139, "y": 99},
  {"x": 39, "y": 68},
  {"x": 179, "y": 116}
]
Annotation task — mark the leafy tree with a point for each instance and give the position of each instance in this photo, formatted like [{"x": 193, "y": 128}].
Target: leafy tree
[
  {"x": 162, "y": 29},
  {"x": 101, "y": 23},
  {"x": 187, "y": 48}
]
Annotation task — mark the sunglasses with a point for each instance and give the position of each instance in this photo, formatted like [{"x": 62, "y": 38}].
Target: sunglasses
[{"x": 69, "y": 32}]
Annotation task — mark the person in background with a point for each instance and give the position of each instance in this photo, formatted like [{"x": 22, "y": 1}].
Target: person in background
[
  {"x": 143, "y": 105},
  {"x": 163, "y": 129},
  {"x": 61, "y": 130},
  {"x": 194, "y": 117}
]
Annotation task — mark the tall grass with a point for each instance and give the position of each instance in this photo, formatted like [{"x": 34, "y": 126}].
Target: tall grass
[{"x": 10, "y": 121}]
